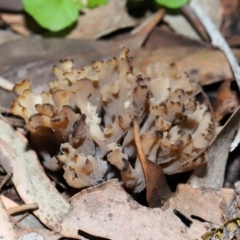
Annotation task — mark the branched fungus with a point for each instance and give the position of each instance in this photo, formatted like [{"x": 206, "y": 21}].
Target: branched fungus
[{"x": 88, "y": 115}]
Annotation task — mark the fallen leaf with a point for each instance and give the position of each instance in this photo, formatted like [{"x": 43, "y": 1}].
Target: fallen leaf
[
  {"x": 191, "y": 201},
  {"x": 102, "y": 20},
  {"x": 29, "y": 221},
  {"x": 20, "y": 23},
  {"x": 202, "y": 64},
  {"x": 181, "y": 25},
  {"x": 7, "y": 228},
  {"x": 108, "y": 211},
  {"x": 29, "y": 178},
  {"x": 226, "y": 101},
  {"x": 211, "y": 174}
]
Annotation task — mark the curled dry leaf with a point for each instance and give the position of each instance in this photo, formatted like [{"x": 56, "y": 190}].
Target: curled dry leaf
[
  {"x": 29, "y": 178},
  {"x": 103, "y": 20},
  {"x": 212, "y": 174},
  {"x": 108, "y": 211},
  {"x": 226, "y": 101},
  {"x": 86, "y": 116}
]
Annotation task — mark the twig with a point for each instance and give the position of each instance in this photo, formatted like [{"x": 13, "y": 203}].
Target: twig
[
  {"x": 5, "y": 180},
  {"x": 22, "y": 208},
  {"x": 218, "y": 41},
  {"x": 140, "y": 152},
  {"x": 6, "y": 84}
]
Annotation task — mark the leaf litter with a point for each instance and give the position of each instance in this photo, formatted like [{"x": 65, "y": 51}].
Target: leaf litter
[{"x": 106, "y": 210}]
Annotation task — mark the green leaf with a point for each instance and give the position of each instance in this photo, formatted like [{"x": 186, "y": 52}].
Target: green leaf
[
  {"x": 96, "y": 3},
  {"x": 172, "y": 3},
  {"x": 54, "y": 15},
  {"x": 79, "y": 4}
]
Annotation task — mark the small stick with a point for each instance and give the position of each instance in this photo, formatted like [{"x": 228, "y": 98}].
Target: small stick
[
  {"x": 5, "y": 180},
  {"x": 22, "y": 208},
  {"x": 141, "y": 155}
]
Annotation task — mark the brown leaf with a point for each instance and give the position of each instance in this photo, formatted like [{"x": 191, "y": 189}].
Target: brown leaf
[
  {"x": 202, "y": 64},
  {"x": 157, "y": 187},
  {"x": 103, "y": 20},
  {"x": 20, "y": 23},
  {"x": 211, "y": 174},
  {"x": 191, "y": 201},
  {"x": 7, "y": 228},
  {"x": 29, "y": 178},
  {"x": 108, "y": 211},
  {"x": 226, "y": 101}
]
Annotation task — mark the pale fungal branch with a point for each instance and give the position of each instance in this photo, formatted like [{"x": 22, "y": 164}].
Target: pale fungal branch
[
  {"x": 174, "y": 125},
  {"x": 6, "y": 84},
  {"x": 218, "y": 41}
]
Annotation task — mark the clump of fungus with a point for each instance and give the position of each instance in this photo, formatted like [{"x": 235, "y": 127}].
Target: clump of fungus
[{"x": 88, "y": 114}]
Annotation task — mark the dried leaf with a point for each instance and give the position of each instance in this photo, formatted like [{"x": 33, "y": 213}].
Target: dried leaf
[
  {"x": 212, "y": 173},
  {"x": 108, "y": 211},
  {"x": 190, "y": 202},
  {"x": 202, "y": 64},
  {"x": 20, "y": 23},
  {"x": 226, "y": 101},
  {"x": 29, "y": 178},
  {"x": 102, "y": 20},
  {"x": 181, "y": 24},
  {"x": 7, "y": 228},
  {"x": 29, "y": 221},
  {"x": 157, "y": 187}
]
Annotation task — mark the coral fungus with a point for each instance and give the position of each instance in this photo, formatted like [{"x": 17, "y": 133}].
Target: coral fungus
[{"x": 87, "y": 115}]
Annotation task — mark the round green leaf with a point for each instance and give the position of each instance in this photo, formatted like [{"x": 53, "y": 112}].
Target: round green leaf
[
  {"x": 96, "y": 3},
  {"x": 172, "y": 3},
  {"x": 54, "y": 15}
]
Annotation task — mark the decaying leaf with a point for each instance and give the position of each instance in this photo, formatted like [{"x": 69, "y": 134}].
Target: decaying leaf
[
  {"x": 29, "y": 178},
  {"x": 226, "y": 101},
  {"x": 191, "y": 201},
  {"x": 209, "y": 65},
  {"x": 20, "y": 23},
  {"x": 108, "y": 211},
  {"x": 212, "y": 174},
  {"x": 7, "y": 231},
  {"x": 102, "y": 20},
  {"x": 181, "y": 24},
  {"x": 29, "y": 221}
]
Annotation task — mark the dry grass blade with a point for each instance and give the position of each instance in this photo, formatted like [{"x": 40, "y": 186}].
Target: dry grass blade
[{"x": 156, "y": 185}]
